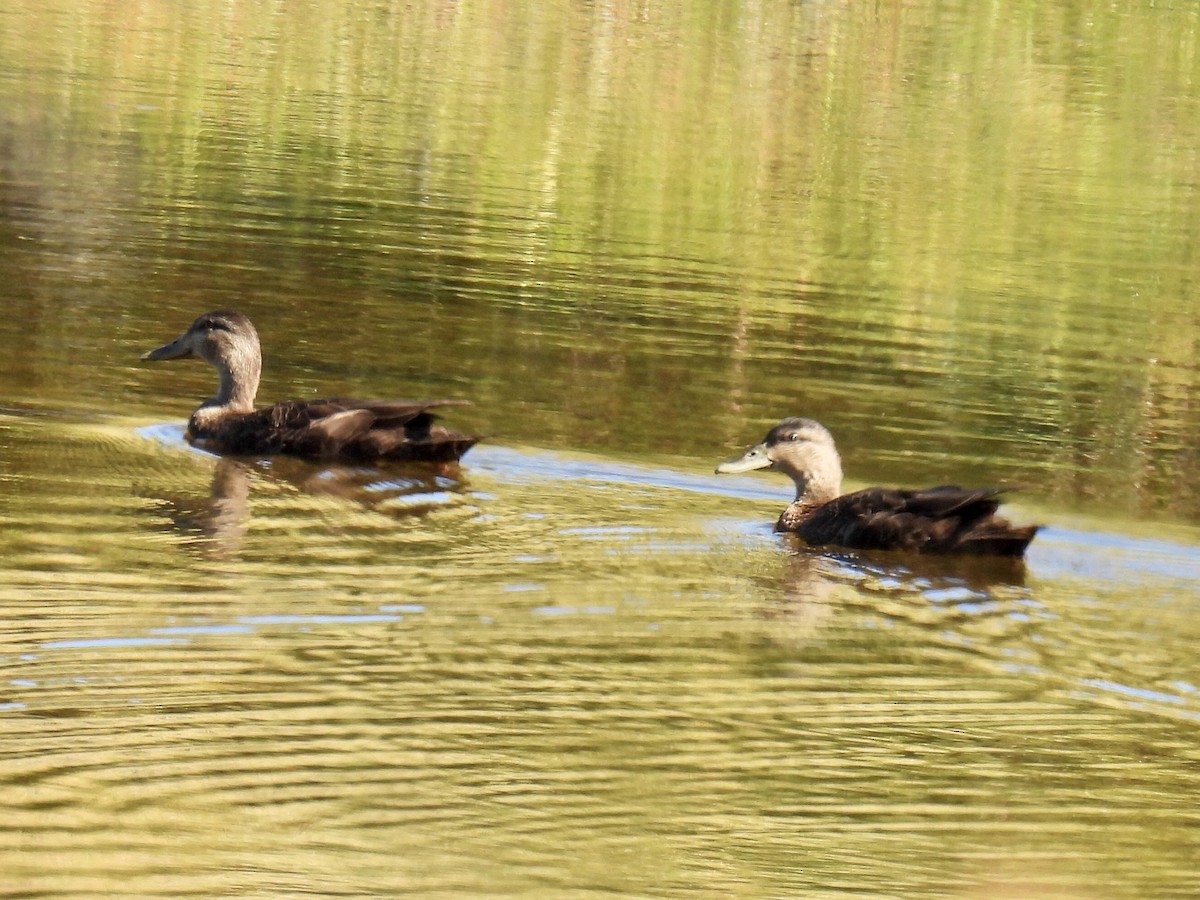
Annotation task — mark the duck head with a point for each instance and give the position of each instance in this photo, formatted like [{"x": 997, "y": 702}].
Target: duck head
[
  {"x": 803, "y": 450},
  {"x": 228, "y": 342}
]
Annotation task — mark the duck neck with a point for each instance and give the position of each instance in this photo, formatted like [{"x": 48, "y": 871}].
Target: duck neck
[
  {"x": 820, "y": 479},
  {"x": 235, "y": 392},
  {"x": 238, "y": 387},
  {"x": 815, "y": 491}
]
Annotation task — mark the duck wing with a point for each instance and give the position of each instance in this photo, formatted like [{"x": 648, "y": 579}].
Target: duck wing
[
  {"x": 944, "y": 519},
  {"x": 346, "y": 429}
]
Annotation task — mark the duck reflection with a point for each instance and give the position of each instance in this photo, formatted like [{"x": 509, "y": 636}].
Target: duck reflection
[
  {"x": 810, "y": 585},
  {"x": 805, "y": 599},
  {"x": 218, "y": 524},
  {"x": 921, "y": 573}
]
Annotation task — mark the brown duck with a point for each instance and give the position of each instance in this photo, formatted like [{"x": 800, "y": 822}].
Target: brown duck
[
  {"x": 946, "y": 519},
  {"x": 333, "y": 429}
]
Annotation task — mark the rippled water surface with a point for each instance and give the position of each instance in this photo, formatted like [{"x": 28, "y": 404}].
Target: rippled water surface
[{"x": 579, "y": 663}]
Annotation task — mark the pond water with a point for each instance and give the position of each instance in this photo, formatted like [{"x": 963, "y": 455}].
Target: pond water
[{"x": 635, "y": 236}]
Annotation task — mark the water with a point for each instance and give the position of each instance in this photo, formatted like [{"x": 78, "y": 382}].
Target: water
[{"x": 579, "y": 663}]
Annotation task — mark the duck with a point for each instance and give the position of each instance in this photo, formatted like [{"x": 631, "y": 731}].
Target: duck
[
  {"x": 334, "y": 429},
  {"x": 947, "y": 519}
]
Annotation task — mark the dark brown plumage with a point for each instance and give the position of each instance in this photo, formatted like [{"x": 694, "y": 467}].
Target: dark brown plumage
[
  {"x": 946, "y": 519},
  {"x": 341, "y": 429}
]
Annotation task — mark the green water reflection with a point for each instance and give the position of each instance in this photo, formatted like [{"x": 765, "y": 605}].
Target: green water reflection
[
  {"x": 961, "y": 235},
  {"x": 959, "y": 224}
]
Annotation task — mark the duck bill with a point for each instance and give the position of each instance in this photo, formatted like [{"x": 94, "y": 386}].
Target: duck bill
[
  {"x": 177, "y": 349},
  {"x": 754, "y": 458}
]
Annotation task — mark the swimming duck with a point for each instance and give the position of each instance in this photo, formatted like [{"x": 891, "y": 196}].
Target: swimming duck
[
  {"x": 341, "y": 429},
  {"x": 946, "y": 519}
]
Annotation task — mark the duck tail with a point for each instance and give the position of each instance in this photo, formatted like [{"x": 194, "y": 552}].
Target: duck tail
[{"x": 997, "y": 537}]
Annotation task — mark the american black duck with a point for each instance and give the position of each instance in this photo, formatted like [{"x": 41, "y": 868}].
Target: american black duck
[
  {"x": 330, "y": 429},
  {"x": 946, "y": 519}
]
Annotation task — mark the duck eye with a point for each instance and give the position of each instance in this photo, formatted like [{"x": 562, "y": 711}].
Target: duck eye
[{"x": 794, "y": 436}]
